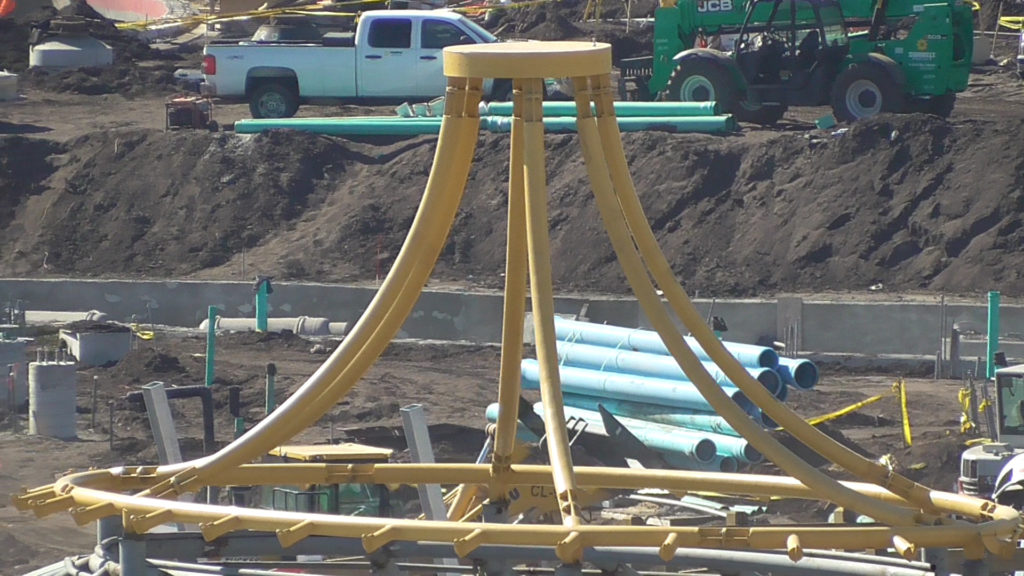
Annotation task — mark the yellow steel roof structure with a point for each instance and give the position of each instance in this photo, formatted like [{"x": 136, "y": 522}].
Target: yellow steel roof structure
[{"x": 908, "y": 515}]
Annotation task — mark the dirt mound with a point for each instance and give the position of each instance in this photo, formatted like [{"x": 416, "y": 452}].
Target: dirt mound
[
  {"x": 908, "y": 202},
  {"x": 146, "y": 365},
  {"x": 266, "y": 340}
]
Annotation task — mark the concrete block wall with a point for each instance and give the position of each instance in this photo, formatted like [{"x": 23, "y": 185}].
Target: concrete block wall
[{"x": 828, "y": 327}]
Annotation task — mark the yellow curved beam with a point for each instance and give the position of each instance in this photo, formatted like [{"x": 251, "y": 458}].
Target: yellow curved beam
[
  {"x": 538, "y": 242},
  {"x": 509, "y": 379},
  {"x": 684, "y": 309},
  {"x": 598, "y": 169},
  {"x": 94, "y": 487},
  {"x": 385, "y": 314}
]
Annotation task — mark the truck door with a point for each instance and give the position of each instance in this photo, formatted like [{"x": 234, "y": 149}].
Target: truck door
[
  {"x": 435, "y": 35},
  {"x": 387, "y": 60}
]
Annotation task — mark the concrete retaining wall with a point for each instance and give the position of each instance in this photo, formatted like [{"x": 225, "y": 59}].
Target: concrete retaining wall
[{"x": 870, "y": 328}]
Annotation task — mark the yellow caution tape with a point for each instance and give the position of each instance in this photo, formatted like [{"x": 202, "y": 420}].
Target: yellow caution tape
[
  {"x": 324, "y": 10},
  {"x": 901, "y": 387},
  {"x": 1012, "y": 22},
  {"x": 844, "y": 411},
  {"x": 966, "y": 423},
  {"x": 975, "y": 7},
  {"x": 142, "y": 334}
]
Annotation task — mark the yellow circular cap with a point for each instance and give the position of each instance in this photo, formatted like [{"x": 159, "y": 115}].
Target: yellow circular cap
[{"x": 528, "y": 60}]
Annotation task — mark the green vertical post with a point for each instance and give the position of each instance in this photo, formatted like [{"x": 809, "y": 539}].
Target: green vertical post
[
  {"x": 271, "y": 376},
  {"x": 993, "y": 334},
  {"x": 239, "y": 427},
  {"x": 261, "y": 305},
  {"x": 211, "y": 336}
]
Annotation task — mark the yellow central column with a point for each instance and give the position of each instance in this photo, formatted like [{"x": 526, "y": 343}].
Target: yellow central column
[{"x": 528, "y": 64}]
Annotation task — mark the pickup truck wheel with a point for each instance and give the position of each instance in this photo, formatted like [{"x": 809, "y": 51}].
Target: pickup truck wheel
[
  {"x": 863, "y": 91},
  {"x": 698, "y": 80},
  {"x": 273, "y": 100}
]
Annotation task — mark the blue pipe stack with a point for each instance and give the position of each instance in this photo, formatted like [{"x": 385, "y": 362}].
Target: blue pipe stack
[{"x": 630, "y": 374}]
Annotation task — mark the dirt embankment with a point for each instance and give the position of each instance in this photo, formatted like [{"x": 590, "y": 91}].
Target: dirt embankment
[{"x": 911, "y": 202}]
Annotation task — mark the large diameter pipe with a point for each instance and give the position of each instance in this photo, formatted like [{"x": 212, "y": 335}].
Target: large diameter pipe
[
  {"x": 719, "y": 463},
  {"x": 798, "y": 372},
  {"x": 647, "y": 364},
  {"x": 629, "y": 387},
  {"x": 522, "y": 433},
  {"x": 301, "y": 325},
  {"x": 639, "y": 340},
  {"x": 653, "y": 413},
  {"x": 696, "y": 446},
  {"x": 622, "y": 109}
]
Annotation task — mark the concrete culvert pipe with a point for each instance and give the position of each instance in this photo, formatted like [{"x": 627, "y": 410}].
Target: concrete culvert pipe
[{"x": 302, "y": 326}]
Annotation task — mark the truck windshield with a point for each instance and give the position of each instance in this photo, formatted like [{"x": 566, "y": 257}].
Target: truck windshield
[
  {"x": 479, "y": 31},
  {"x": 1010, "y": 388}
]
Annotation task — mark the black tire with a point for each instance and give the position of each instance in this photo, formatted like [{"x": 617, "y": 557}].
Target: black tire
[
  {"x": 758, "y": 114},
  {"x": 273, "y": 100},
  {"x": 700, "y": 80},
  {"x": 865, "y": 90}
]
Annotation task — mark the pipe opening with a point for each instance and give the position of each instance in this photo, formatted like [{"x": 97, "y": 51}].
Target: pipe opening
[{"x": 705, "y": 450}]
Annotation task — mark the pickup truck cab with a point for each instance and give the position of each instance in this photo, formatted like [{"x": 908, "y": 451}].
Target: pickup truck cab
[{"x": 393, "y": 56}]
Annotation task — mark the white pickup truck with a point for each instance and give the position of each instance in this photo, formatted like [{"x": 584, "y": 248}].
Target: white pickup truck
[{"x": 393, "y": 56}]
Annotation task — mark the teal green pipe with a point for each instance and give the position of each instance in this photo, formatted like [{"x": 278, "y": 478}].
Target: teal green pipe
[
  {"x": 707, "y": 422},
  {"x": 719, "y": 464},
  {"x": 262, "y": 307},
  {"x": 622, "y": 109},
  {"x": 696, "y": 445},
  {"x": 705, "y": 124},
  {"x": 523, "y": 434},
  {"x": 211, "y": 337},
  {"x": 993, "y": 333},
  {"x": 396, "y": 126}
]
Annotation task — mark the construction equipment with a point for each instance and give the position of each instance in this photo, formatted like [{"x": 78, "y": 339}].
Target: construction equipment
[
  {"x": 863, "y": 57},
  {"x": 354, "y": 499},
  {"x": 187, "y": 111},
  {"x": 980, "y": 465}
]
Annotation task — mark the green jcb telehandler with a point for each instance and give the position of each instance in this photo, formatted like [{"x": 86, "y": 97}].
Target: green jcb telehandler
[{"x": 862, "y": 57}]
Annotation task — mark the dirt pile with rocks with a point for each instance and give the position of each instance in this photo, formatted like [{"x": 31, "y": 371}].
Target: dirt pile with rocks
[{"x": 906, "y": 202}]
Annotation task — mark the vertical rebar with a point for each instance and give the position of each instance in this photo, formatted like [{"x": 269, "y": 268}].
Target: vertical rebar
[{"x": 92, "y": 418}]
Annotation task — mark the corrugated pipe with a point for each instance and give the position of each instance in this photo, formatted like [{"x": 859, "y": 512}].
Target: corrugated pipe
[
  {"x": 622, "y": 109},
  {"x": 203, "y": 393},
  {"x": 748, "y": 355},
  {"x": 630, "y": 387},
  {"x": 626, "y": 361},
  {"x": 302, "y": 325}
]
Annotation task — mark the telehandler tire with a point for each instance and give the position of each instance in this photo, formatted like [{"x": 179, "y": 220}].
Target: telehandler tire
[
  {"x": 699, "y": 80},
  {"x": 864, "y": 90}
]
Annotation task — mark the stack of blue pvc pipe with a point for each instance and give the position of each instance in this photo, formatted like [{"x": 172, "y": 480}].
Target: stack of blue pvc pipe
[{"x": 630, "y": 373}]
